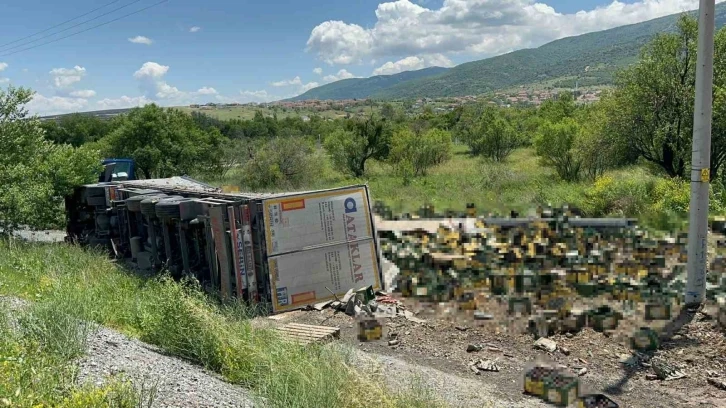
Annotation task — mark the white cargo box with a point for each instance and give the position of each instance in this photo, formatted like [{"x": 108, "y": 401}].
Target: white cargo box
[{"x": 318, "y": 241}]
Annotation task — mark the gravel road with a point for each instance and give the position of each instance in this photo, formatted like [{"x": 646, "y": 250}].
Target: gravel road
[
  {"x": 455, "y": 390},
  {"x": 178, "y": 383}
]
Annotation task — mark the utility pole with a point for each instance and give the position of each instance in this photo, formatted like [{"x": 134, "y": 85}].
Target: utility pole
[{"x": 701, "y": 157}]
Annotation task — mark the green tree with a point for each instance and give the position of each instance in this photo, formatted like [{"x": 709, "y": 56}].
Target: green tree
[
  {"x": 555, "y": 145},
  {"x": 557, "y": 109},
  {"x": 413, "y": 154},
  {"x": 165, "y": 143},
  {"x": 35, "y": 174},
  {"x": 77, "y": 129},
  {"x": 653, "y": 107},
  {"x": 282, "y": 162},
  {"x": 351, "y": 147},
  {"x": 497, "y": 140},
  {"x": 488, "y": 133}
]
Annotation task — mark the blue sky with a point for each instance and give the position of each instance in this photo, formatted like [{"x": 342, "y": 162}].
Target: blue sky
[{"x": 266, "y": 50}]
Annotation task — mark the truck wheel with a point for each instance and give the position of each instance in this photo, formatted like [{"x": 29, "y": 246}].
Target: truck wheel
[
  {"x": 169, "y": 208},
  {"x": 148, "y": 205}
]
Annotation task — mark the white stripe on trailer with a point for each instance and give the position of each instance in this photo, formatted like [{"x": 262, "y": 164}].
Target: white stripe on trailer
[
  {"x": 249, "y": 256},
  {"x": 237, "y": 253}
]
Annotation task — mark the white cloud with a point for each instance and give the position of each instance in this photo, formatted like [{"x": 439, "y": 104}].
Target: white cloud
[
  {"x": 194, "y": 29},
  {"x": 255, "y": 94},
  {"x": 207, "y": 91},
  {"x": 151, "y": 70},
  {"x": 318, "y": 71},
  {"x": 84, "y": 93},
  {"x": 3, "y": 65},
  {"x": 140, "y": 39},
  {"x": 152, "y": 84},
  {"x": 65, "y": 77},
  {"x": 43, "y": 105},
  {"x": 4, "y": 80},
  {"x": 412, "y": 64},
  {"x": 287, "y": 82},
  {"x": 308, "y": 86},
  {"x": 342, "y": 74},
  {"x": 479, "y": 28},
  {"x": 166, "y": 91},
  {"x": 123, "y": 102}
]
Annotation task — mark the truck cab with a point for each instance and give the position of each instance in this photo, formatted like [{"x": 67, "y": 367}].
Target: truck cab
[{"x": 117, "y": 170}]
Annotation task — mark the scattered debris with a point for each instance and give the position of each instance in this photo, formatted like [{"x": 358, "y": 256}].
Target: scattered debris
[
  {"x": 482, "y": 316},
  {"x": 393, "y": 342},
  {"x": 485, "y": 365},
  {"x": 462, "y": 328},
  {"x": 410, "y": 317},
  {"x": 666, "y": 371},
  {"x": 471, "y": 348},
  {"x": 718, "y": 383},
  {"x": 582, "y": 371},
  {"x": 322, "y": 305},
  {"x": 597, "y": 401},
  {"x": 651, "y": 377},
  {"x": 564, "y": 350},
  {"x": 546, "y": 345}
]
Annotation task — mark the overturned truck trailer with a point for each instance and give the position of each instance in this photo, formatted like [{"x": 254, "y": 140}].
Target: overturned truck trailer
[{"x": 287, "y": 250}]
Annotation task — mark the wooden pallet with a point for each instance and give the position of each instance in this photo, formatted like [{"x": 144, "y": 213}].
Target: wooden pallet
[{"x": 306, "y": 334}]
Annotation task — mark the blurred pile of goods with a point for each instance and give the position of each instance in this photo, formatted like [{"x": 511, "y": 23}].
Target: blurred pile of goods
[{"x": 563, "y": 271}]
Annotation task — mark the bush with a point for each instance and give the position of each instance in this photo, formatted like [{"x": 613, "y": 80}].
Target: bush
[
  {"x": 412, "y": 155},
  {"x": 490, "y": 134},
  {"x": 282, "y": 162},
  {"x": 555, "y": 145},
  {"x": 620, "y": 195}
]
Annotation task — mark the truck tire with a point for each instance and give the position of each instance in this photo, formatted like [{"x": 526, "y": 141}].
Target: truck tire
[
  {"x": 148, "y": 205},
  {"x": 133, "y": 204},
  {"x": 169, "y": 208}
]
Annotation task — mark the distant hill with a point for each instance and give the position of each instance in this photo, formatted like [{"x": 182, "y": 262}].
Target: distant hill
[
  {"x": 360, "y": 88},
  {"x": 557, "y": 64},
  {"x": 103, "y": 114}
]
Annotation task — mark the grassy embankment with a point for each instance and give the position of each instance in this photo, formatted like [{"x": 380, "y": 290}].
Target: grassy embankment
[{"x": 66, "y": 283}]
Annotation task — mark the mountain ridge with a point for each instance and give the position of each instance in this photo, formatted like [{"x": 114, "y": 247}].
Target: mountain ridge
[
  {"x": 359, "y": 88},
  {"x": 592, "y": 58}
]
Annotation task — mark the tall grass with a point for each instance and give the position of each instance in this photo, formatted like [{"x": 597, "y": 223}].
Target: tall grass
[
  {"x": 183, "y": 321},
  {"x": 37, "y": 348}
]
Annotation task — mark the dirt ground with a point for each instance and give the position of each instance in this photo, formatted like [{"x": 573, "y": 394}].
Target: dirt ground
[{"x": 698, "y": 350}]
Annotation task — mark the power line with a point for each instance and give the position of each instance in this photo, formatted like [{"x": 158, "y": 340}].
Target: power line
[
  {"x": 73, "y": 26},
  {"x": 83, "y": 31},
  {"x": 58, "y": 25}
]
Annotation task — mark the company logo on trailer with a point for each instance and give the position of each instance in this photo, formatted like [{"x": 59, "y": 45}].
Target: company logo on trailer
[{"x": 351, "y": 209}]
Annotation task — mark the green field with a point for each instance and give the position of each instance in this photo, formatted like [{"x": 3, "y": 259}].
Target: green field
[
  {"x": 518, "y": 184},
  {"x": 248, "y": 112}
]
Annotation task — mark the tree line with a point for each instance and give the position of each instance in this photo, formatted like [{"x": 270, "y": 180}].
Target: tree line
[{"x": 647, "y": 117}]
